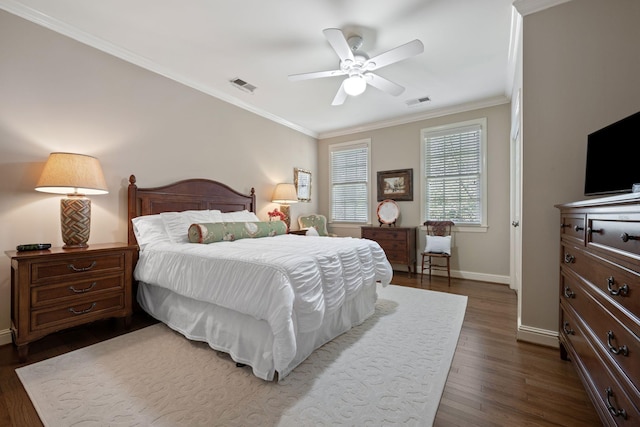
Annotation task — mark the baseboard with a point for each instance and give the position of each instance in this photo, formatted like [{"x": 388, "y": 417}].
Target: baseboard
[
  {"x": 5, "y": 337},
  {"x": 537, "y": 336}
]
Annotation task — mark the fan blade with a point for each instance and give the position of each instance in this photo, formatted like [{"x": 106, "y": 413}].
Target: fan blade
[
  {"x": 399, "y": 53},
  {"x": 340, "y": 96},
  {"x": 336, "y": 39},
  {"x": 315, "y": 75},
  {"x": 383, "y": 84}
]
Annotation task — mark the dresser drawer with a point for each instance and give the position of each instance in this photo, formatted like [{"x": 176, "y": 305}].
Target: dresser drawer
[
  {"x": 620, "y": 238},
  {"x": 44, "y": 272},
  {"x": 85, "y": 309},
  {"x": 609, "y": 392},
  {"x": 389, "y": 234},
  {"x": 68, "y": 291},
  {"x": 573, "y": 227},
  {"x": 616, "y": 340},
  {"x": 619, "y": 284}
]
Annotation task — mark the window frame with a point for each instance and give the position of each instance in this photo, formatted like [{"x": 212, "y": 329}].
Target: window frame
[
  {"x": 341, "y": 146},
  {"x": 482, "y": 122}
]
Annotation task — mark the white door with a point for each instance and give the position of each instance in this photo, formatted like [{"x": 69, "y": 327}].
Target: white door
[{"x": 516, "y": 199}]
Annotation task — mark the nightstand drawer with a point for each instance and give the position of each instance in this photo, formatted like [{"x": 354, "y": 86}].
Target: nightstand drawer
[
  {"x": 70, "y": 313},
  {"x": 379, "y": 234},
  {"x": 62, "y": 269},
  {"x": 68, "y": 291}
]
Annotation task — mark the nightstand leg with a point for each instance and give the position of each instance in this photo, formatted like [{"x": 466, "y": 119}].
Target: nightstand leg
[{"x": 23, "y": 352}]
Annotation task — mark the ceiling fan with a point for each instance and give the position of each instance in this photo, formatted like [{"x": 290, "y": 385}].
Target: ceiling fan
[{"x": 358, "y": 66}]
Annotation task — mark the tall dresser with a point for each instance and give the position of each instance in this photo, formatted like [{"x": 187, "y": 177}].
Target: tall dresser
[{"x": 600, "y": 302}]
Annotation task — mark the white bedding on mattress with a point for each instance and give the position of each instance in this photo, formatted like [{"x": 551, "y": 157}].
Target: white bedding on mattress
[{"x": 291, "y": 282}]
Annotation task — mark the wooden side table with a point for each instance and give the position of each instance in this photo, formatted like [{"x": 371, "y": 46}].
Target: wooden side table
[
  {"x": 56, "y": 289},
  {"x": 398, "y": 243}
]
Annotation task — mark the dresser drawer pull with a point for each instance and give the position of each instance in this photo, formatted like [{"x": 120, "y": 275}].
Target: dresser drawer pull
[
  {"x": 578, "y": 228},
  {"x": 567, "y": 330},
  {"x": 612, "y": 409},
  {"x": 569, "y": 293},
  {"x": 623, "y": 291},
  {"x": 591, "y": 231},
  {"x": 81, "y": 291},
  {"x": 568, "y": 258},
  {"x": 73, "y": 310},
  {"x": 623, "y": 350},
  {"x": 626, "y": 237},
  {"x": 74, "y": 268}
]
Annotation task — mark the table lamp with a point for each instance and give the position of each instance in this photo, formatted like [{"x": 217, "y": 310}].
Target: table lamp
[
  {"x": 285, "y": 194},
  {"x": 75, "y": 175}
]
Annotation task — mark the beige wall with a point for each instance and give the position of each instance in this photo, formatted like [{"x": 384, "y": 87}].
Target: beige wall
[
  {"x": 581, "y": 71},
  {"x": 476, "y": 255},
  {"x": 59, "y": 95}
]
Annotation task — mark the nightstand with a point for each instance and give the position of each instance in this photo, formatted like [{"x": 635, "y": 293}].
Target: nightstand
[{"x": 56, "y": 289}]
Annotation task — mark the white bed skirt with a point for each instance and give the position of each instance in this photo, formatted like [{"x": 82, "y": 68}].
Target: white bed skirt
[{"x": 246, "y": 339}]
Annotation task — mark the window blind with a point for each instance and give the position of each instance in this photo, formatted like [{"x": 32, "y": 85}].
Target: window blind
[
  {"x": 453, "y": 168},
  {"x": 349, "y": 183}
]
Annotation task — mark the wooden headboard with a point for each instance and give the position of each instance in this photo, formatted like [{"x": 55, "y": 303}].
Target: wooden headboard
[{"x": 190, "y": 194}]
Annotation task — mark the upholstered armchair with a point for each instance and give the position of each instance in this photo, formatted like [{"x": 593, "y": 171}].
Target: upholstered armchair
[{"x": 316, "y": 221}]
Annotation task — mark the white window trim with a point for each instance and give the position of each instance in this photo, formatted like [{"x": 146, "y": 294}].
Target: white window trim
[
  {"x": 483, "y": 226},
  {"x": 331, "y": 147}
]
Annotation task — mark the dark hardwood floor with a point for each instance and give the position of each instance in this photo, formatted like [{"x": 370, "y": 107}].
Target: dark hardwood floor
[{"x": 494, "y": 380}]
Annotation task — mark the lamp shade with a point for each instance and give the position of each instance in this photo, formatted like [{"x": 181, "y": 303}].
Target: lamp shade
[
  {"x": 285, "y": 194},
  {"x": 67, "y": 173}
]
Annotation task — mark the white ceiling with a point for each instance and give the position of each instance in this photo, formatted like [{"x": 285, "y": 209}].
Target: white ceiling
[{"x": 467, "y": 60}]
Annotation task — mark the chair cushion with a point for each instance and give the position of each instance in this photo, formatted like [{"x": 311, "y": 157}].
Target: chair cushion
[
  {"x": 319, "y": 222},
  {"x": 438, "y": 244}
]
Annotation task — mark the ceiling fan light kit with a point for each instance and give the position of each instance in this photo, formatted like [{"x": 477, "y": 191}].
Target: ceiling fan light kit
[{"x": 358, "y": 66}]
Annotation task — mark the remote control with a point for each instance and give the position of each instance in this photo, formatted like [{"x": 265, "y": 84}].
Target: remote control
[{"x": 33, "y": 247}]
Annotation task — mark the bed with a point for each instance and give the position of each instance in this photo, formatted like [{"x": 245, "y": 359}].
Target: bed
[{"x": 268, "y": 302}]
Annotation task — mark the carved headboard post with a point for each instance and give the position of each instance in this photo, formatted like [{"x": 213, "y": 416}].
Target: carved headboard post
[{"x": 132, "y": 209}]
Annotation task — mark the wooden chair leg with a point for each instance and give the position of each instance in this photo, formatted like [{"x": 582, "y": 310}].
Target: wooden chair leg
[{"x": 448, "y": 271}]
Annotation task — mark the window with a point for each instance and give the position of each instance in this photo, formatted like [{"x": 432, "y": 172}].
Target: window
[
  {"x": 454, "y": 178},
  {"x": 349, "y": 172}
]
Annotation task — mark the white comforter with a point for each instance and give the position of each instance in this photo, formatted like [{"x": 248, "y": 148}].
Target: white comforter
[{"x": 289, "y": 281}]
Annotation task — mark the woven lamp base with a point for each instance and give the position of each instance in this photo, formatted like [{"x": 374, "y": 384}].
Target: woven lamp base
[{"x": 75, "y": 218}]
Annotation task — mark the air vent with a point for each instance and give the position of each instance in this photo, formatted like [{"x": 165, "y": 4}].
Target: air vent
[
  {"x": 242, "y": 85},
  {"x": 418, "y": 101}
]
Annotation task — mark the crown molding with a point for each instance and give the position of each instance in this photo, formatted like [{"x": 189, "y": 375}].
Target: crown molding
[{"x": 527, "y": 7}]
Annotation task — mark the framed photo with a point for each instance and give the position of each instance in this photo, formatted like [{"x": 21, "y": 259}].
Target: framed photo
[
  {"x": 302, "y": 181},
  {"x": 395, "y": 185}
]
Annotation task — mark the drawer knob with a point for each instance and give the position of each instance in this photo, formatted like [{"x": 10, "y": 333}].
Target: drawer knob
[
  {"x": 568, "y": 293},
  {"x": 626, "y": 237},
  {"x": 594, "y": 230},
  {"x": 80, "y": 269},
  {"x": 623, "y": 291},
  {"x": 568, "y": 258},
  {"x": 578, "y": 228},
  {"x": 612, "y": 409},
  {"x": 567, "y": 329},
  {"x": 81, "y": 291},
  {"x": 623, "y": 350},
  {"x": 74, "y": 311}
]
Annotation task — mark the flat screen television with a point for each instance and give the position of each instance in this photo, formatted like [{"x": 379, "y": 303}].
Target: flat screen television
[{"x": 613, "y": 153}]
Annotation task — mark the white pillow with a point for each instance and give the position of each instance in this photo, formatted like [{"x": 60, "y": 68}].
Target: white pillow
[
  {"x": 149, "y": 229},
  {"x": 240, "y": 216},
  {"x": 177, "y": 224},
  {"x": 438, "y": 244},
  {"x": 311, "y": 231}
]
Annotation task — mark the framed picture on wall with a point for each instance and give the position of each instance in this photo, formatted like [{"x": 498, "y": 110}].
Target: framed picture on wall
[
  {"x": 302, "y": 181},
  {"x": 395, "y": 185}
]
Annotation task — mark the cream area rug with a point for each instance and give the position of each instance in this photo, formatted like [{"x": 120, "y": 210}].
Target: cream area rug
[{"x": 389, "y": 370}]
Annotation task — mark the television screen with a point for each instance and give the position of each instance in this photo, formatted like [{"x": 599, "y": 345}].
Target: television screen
[{"x": 612, "y": 153}]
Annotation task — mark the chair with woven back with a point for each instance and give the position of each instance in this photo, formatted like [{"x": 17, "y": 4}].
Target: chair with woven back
[{"x": 438, "y": 246}]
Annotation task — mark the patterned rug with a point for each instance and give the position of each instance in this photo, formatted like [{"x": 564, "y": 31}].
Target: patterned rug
[{"x": 390, "y": 370}]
